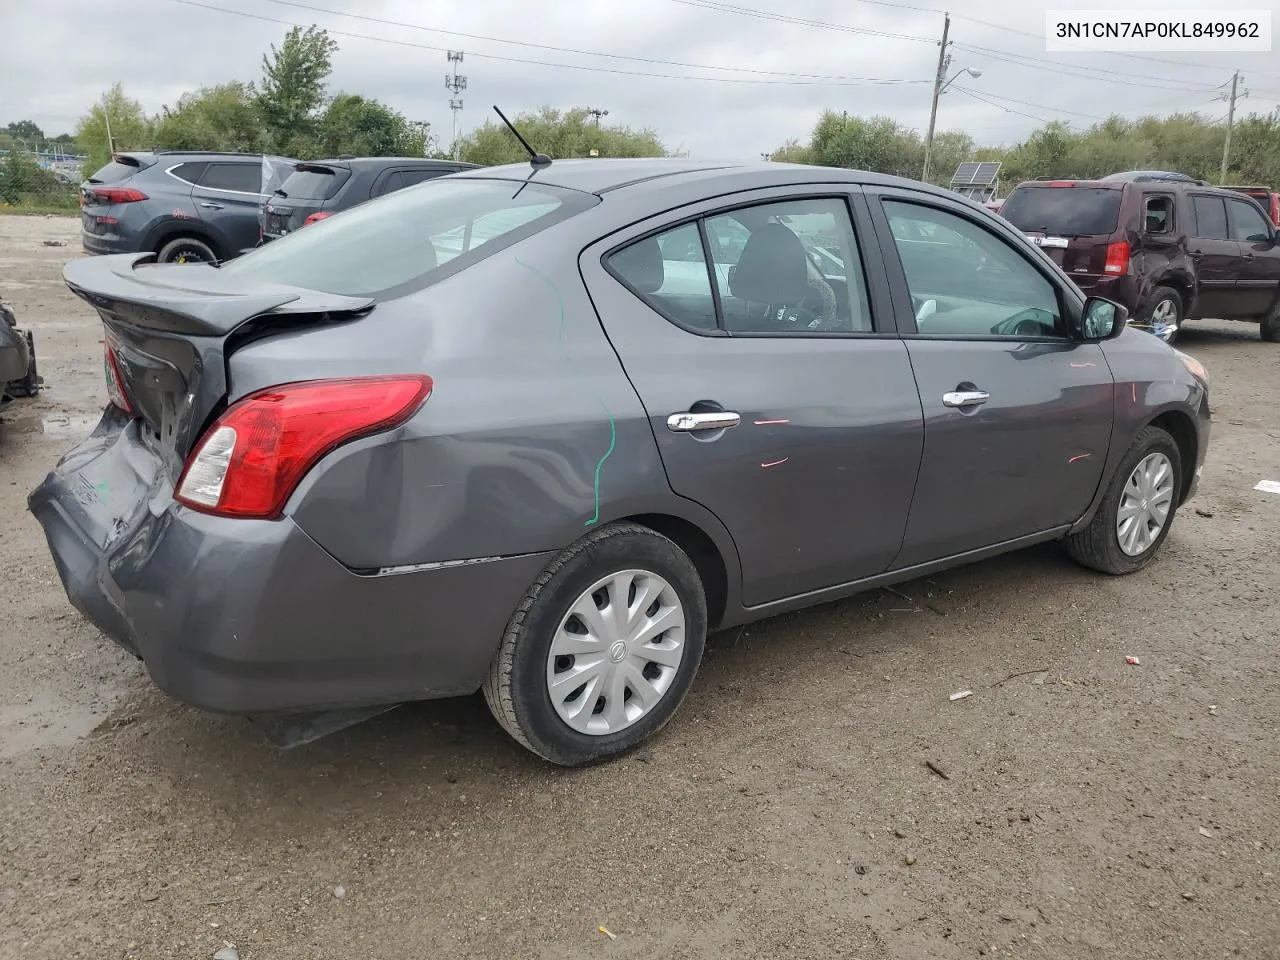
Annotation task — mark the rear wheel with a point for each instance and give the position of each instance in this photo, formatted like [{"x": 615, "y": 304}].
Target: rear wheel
[
  {"x": 1164, "y": 316},
  {"x": 186, "y": 250},
  {"x": 603, "y": 648},
  {"x": 1269, "y": 329},
  {"x": 1135, "y": 515}
]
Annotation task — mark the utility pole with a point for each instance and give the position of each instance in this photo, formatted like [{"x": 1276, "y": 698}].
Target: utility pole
[
  {"x": 455, "y": 84},
  {"x": 1231, "y": 119},
  {"x": 944, "y": 58}
]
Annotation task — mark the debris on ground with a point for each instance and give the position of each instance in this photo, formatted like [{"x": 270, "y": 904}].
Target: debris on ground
[
  {"x": 1205, "y": 832},
  {"x": 961, "y": 695},
  {"x": 909, "y": 859},
  {"x": 1132, "y": 661},
  {"x": 1213, "y": 709},
  {"x": 55, "y": 243},
  {"x": 228, "y": 952},
  {"x": 1202, "y": 512},
  {"x": 937, "y": 769},
  {"x": 339, "y": 891},
  {"x": 605, "y": 931}
]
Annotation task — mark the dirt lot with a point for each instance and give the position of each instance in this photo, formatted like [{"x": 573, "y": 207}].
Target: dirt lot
[{"x": 1092, "y": 809}]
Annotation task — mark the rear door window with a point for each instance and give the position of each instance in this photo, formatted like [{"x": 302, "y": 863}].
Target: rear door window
[
  {"x": 394, "y": 181},
  {"x": 1211, "y": 218},
  {"x": 398, "y": 243},
  {"x": 1157, "y": 214},
  {"x": 189, "y": 173},
  {"x": 233, "y": 177},
  {"x": 1064, "y": 211}
]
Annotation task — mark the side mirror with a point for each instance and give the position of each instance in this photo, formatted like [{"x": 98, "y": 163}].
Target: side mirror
[{"x": 1102, "y": 319}]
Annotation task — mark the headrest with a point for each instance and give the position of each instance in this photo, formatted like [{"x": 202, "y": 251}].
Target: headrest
[
  {"x": 641, "y": 265},
  {"x": 773, "y": 267}
]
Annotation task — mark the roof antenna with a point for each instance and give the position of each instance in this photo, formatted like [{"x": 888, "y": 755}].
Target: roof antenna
[{"x": 535, "y": 158}]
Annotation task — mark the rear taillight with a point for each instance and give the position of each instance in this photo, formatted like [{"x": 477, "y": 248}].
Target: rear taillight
[
  {"x": 1062, "y": 183},
  {"x": 254, "y": 456},
  {"x": 118, "y": 195},
  {"x": 115, "y": 382},
  {"x": 1117, "y": 258},
  {"x": 317, "y": 217}
]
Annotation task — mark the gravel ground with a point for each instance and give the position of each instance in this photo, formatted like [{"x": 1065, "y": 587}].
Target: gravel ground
[{"x": 1091, "y": 809}]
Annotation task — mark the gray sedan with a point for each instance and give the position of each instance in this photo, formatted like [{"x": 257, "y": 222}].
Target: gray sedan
[{"x": 537, "y": 430}]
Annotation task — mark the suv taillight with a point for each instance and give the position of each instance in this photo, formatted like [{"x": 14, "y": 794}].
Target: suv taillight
[
  {"x": 317, "y": 217},
  {"x": 115, "y": 382},
  {"x": 118, "y": 195},
  {"x": 254, "y": 456},
  {"x": 1117, "y": 258}
]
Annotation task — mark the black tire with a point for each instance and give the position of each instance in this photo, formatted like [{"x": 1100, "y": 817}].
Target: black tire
[
  {"x": 193, "y": 249},
  {"x": 1269, "y": 328},
  {"x": 1162, "y": 295},
  {"x": 516, "y": 687},
  {"x": 1097, "y": 546}
]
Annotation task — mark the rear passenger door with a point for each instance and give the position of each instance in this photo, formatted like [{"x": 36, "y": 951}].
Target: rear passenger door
[
  {"x": 227, "y": 199},
  {"x": 1216, "y": 255},
  {"x": 779, "y": 393},
  {"x": 1258, "y": 282},
  {"x": 1017, "y": 416}
]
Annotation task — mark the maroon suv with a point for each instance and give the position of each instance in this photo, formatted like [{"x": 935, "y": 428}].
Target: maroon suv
[{"x": 1170, "y": 250}]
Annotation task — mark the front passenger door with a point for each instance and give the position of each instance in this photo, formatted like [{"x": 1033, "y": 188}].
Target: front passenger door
[
  {"x": 1017, "y": 415},
  {"x": 1258, "y": 280}
]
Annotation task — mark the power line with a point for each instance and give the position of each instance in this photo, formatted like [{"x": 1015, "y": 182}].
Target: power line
[
  {"x": 991, "y": 103},
  {"x": 556, "y": 49},
  {"x": 1027, "y": 103},
  {"x": 1081, "y": 73},
  {"x": 803, "y": 78}
]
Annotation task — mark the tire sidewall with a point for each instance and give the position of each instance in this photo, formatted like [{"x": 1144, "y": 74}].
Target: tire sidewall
[
  {"x": 1158, "y": 296},
  {"x": 165, "y": 253},
  {"x": 531, "y": 701},
  {"x": 1149, "y": 442}
]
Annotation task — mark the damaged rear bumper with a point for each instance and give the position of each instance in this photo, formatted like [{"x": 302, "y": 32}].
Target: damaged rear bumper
[{"x": 252, "y": 616}]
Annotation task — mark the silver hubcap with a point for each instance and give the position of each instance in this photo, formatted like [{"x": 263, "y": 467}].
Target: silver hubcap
[
  {"x": 616, "y": 652},
  {"x": 1164, "y": 320},
  {"x": 1145, "y": 504}
]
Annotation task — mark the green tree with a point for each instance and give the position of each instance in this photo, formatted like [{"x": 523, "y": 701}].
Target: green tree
[
  {"x": 294, "y": 79},
  {"x": 570, "y": 133},
  {"x": 130, "y": 128},
  {"x": 25, "y": 130},
  {"x": 357, "y": 125},
  {"x": 213, "y": 118},
  {"x": 22, "y": 180}
]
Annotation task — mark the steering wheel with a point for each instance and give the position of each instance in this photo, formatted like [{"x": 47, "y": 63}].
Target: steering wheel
[{"x": 1024, "y": 323}]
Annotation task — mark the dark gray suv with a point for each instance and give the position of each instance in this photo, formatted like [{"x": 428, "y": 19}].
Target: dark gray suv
[
  {"x": 318, "y": 189},
  {"x": 182, "y": 206}
]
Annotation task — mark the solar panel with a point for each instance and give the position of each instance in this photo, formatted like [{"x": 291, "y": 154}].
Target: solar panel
[{"x": 976, "y": 174}]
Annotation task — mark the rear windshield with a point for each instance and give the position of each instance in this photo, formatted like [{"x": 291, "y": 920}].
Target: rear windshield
[
  {"x": 1063, "y": 211},
  {"x": 115, "y": 171},
  {"x": 314, "y": 183},
  {"x": 407, "y": 239}
]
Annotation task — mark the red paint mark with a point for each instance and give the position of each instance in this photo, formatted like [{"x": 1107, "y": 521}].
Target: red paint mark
[
  {"x": 1081, "y": 366},
  {"x": 769, "y": 423},
  {"x": 775, "y": 463},
  {"x": 1135, "y": 392},
  {"x": 1079, "y": 456}
]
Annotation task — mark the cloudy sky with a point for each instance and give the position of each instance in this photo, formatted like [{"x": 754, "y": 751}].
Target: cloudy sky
[{"x": 718, "y": 79}]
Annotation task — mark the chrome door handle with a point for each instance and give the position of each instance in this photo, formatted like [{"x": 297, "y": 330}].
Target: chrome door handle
[
  {"x": 711, "y": 420},
  {"x": 965, "y": 398},
  {"x": 211, "y": 206}
]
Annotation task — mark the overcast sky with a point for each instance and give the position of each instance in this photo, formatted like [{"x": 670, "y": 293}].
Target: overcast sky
[{"x": 59, "y": 55}]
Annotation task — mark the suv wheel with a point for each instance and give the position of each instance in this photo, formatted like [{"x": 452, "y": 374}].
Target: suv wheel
[
  {"x": 1269, "y": 329},
  {"x": 1137, "y": 511},
  {"x": 603, "y": 648},
  {"x": 186, "y": 250},
  {"x": 1164, "y": 316}
]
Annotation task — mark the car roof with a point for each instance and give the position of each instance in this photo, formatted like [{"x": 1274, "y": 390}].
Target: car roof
[
  {"x": 601, "y": 176},
  {"x": 371, "y": 163}
]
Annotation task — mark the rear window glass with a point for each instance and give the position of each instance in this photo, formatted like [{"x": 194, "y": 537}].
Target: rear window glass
[
  {"x": 311, "y": 185},
  {"x": 1063, "y": 211},
  {"x": 114, "y": 172},
  {"x": 408, "y": 238}
]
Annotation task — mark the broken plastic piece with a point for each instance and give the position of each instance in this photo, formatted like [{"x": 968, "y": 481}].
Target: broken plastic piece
[{"x": 961, "y": 695}]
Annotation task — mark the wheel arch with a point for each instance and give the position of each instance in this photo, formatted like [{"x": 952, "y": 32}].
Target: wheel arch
[
  {"x": 173, "y": 227},
  {"x": 701, "y": 548},
  {"x": 1179, "y": 425}
]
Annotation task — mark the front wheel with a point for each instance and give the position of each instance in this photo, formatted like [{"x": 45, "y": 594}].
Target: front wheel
[
  {"x": 1135, "y": 515},
  {"x": 603, "y": 648},
  {"x": 1164, "y": 316}
]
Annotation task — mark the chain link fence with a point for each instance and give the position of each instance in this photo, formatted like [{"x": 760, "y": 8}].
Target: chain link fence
[{"x": 40, "y": 181}]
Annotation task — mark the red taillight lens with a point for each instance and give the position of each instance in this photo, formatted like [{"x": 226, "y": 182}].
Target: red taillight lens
[
  {"x": 115, "y": 381},
  {"x": 317, "y": 217},
  {"x": 254, "y": 456},
  {"x": 1062, "y": 183},
  {"x": 118, "y": 195},
  {"x": 1117, "y": 258}
]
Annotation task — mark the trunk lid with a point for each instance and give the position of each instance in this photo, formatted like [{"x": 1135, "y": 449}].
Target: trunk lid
[
  {"x": 1072, "y": 221},
  {"x": 306, "y": 191},
  {"x": 171, "y": 328}
]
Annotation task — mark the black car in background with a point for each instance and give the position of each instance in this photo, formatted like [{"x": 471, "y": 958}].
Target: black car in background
[
  {"x": 320, "y": 188},
  {"x": 184, "y": 206}
]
